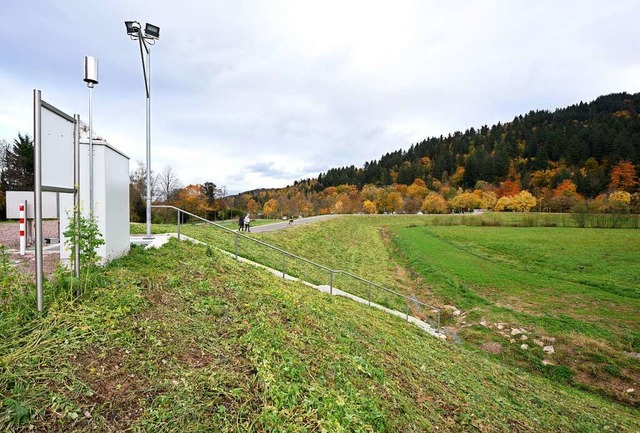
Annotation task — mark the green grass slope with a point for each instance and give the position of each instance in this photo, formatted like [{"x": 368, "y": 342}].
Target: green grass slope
[
  {"x": 185, "y": 339},
  {"x": 577, "y": 287}
]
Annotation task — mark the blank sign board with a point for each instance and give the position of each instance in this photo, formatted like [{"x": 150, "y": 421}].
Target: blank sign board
[{"x": 57, "y": 147}]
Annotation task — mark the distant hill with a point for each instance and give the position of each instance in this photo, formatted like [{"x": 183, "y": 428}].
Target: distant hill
[
  {"x": 607, "y": 129},
  {"x": 571, "y": 159}
]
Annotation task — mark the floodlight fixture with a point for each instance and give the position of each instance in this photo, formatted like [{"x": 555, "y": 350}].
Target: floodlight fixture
[
  {"x": 152, "y": 31},
  {"x": 133, "y": 27}
]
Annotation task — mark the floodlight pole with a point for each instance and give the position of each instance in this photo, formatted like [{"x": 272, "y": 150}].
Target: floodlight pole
[
  {"x": 148, "y": 81},
  {"x": 150, "y": 36}
]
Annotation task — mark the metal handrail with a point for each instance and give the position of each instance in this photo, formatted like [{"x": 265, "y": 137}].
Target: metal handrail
[{"x": 287, "y": 253}]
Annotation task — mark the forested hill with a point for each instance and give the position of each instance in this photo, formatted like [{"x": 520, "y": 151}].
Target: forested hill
[{"x": 584, "y": 141}]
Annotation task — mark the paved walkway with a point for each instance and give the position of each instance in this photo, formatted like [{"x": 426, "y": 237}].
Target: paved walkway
[{"x": 285, "y": 224}]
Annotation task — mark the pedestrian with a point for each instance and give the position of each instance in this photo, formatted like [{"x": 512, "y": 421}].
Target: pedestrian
[
  {"x": 247, "y": 223},
  {"x": 241, "y": 223}
]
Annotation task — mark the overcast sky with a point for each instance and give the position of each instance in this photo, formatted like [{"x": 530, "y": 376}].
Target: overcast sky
[{"x": 251, "y": 94}]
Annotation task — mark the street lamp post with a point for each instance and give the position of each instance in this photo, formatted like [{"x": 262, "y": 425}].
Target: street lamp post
[
  {"x": 146, "y": 38},
  {"x": 91, "y": 78}
]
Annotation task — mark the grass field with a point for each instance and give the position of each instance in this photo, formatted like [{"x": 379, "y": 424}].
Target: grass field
[
  {"x": 185, "y": 339},
  {"x": 578, "y": 287}
]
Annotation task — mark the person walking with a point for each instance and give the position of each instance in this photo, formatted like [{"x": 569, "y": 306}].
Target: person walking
[
  {"x": 247, "y": 223},
  {"x": 241, "y": 223}
]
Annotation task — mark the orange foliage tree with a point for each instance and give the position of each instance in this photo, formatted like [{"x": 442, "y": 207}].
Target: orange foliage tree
[
  {"x": 508, "y": 188},
  {"x": 623, "y": 177},
  {"x": 193, "y": 199}
]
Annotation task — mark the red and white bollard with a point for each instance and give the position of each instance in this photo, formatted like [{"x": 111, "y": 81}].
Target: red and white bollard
[{"x": 23, "y": 234}]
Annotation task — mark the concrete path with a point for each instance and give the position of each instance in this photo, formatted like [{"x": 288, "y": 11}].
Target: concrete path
[{"x": 285, "y": 224}]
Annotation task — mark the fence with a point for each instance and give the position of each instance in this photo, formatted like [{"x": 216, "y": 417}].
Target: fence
[{"x": 241, "y": 245}]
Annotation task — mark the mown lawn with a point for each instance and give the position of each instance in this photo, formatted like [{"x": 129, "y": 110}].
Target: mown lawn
[{"x": 185, "y": 339}]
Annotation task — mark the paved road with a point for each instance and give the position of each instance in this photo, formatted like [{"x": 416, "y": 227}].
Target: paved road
[{"x": 285, "y": 224}]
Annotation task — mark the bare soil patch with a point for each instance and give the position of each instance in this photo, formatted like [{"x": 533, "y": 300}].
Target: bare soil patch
[{"x": 10, "y": 238}]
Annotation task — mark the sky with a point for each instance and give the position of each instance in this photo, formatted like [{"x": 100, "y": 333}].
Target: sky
[{"x": 258, "y": 94}]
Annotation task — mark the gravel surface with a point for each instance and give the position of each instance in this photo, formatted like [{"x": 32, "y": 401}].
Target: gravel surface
[{"x": 10, "y": 238}]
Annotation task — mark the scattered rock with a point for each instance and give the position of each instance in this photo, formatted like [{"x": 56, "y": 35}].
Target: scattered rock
[
  {"x": 500, "y": 326},
  {"x": 512, "y": 341},
  {"x": 546, "y": 362},
  {"x": 492, "y": 348},
  {"x": 523, "y": 337},
  {"x": 631, "y": 391},
  {"x": 516, "y": 331},
  {"x": 549, "y": 339},
  {"x": 483, "y": 323},
  {"x": 524, "y": 346},
  {"x": 538, "y": 342},
  {"x": 632, "y": 354},
  {"x": 87, "y": 414},
  {"x": 455, "y": 313},
  {"x": 548, "y": 349}
]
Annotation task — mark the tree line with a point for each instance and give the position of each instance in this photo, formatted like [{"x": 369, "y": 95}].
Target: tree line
[{"x": 581, "y": 158}]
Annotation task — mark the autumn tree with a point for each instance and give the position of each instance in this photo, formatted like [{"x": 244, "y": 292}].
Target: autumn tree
[
  {"x": 619, "y": 202},
  {"x": 508, "y": 188},
  {"x": 270, "y": 208},
  {"x": 465, "y": 201},
  {"x": 434, "y": 203},
  {"x": 192, "y": 198},
  {"x": 252, "y": 206},
  {"x": 623, "y": 177},
  {"x": 368, "y": 207},
  {"x": 565, "y": 196}
]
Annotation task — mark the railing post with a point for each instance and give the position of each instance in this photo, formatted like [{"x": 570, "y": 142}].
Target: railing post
[
  {"x": 331, "y": 282},
  {"x": 179, "y": 223},
  {"x": 236, "y": 246},
  {"x": 284, "y": 268},
  {"x": 407, "y": 310},
  {"x": 369, "y": 294},
  {"x": 438, "y": 320}
]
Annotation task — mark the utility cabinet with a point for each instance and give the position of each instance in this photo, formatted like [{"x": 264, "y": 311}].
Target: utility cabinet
[{"x": 110, "y": 196}]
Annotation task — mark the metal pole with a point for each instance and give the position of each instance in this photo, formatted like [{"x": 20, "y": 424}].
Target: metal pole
[
  {"x": 178, "y": 224},
  {"x": 407, "y": 310},
  {"x": 331, "y": 282},
  {"x": 283, "y": 264},
  {"x": 76, "y": 195},
  {"x": 37, "y": 143},
  {"x": 236, "y": 246},
  {"x": 369, "y": 294},
  {"x": 148, "y": 143},
  {"x": 91, "y": 207},
  {"x": 438, "y": 320}
]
